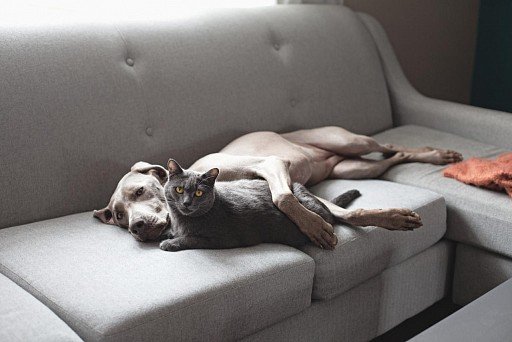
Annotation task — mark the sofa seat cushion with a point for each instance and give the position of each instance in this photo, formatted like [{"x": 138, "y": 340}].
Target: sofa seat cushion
[
  {"x": 362, "y": 253},
  {"x": 24, "y": 318},
  {"x": 109, "y": 287},
  {"x": 476, "y": 216}
]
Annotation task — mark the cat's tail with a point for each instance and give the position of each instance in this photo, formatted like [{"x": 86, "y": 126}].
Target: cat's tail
[{"x": 346, "y": 198}]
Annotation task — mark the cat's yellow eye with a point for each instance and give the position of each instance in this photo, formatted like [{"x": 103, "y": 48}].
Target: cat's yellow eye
[
  {"x": 199, "y": 193},
  {"x": 179, "y": 189}
]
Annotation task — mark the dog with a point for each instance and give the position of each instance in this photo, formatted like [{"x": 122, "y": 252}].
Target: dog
[
  {"x": 138, "y": 203},
  {"x": 305, "y": 156}
]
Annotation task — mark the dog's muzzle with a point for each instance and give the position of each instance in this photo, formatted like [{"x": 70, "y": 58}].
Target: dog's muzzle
[{"x": 144, "y": 230}]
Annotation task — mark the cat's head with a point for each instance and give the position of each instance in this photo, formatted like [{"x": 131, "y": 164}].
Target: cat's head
[{"x": 191, "y": 193}]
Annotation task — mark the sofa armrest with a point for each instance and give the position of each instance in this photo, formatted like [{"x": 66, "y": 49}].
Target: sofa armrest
[
  {"x": 411, "y": 107},
  {"x": 484, "y": 125}
]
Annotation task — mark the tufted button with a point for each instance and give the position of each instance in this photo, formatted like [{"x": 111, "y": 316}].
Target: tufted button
[
  {"x": 277, "y": 47},
  {"x": 149, "y": 131},
  {"x": 293, "y": 102},
  {"x": 130, "y": 62}
]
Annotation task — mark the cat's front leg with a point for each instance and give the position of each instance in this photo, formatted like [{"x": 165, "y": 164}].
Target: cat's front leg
[
  {"x": 184, "y": 242},
  {"x": 174, "y": 245},
  {"x": 166, "y": 235}
]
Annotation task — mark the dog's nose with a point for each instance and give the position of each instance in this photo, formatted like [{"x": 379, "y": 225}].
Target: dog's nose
[{"x": 137, "y": 227}]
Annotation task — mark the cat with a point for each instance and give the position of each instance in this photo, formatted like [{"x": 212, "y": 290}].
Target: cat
[{"x": 206, "y": 214}]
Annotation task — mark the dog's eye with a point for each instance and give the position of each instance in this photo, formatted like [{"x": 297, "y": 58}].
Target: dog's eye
[
  {"x": 119, "y": 216},
  {"x": 179, "y": 189},
  {"x": 199, "y": 193},
  {"x": 139, "y": 192}
]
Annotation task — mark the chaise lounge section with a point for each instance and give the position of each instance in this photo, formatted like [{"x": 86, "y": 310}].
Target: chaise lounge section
[{"x": 479, "y": 220}]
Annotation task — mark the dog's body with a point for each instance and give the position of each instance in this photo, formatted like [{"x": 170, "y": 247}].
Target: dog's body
[{"x": 306, "y": 157}]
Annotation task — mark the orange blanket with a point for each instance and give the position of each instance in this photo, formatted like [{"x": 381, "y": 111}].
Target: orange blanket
[{"x": 490, "y": 174}]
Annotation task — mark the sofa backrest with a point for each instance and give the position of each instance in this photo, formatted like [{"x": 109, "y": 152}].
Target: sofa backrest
[{"x": 80, "y": 103}]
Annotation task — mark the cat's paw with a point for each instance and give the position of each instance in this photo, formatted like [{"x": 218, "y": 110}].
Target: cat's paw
[
  {"x": 165, "y": 236},
  {"x": 170, "y": 245}
]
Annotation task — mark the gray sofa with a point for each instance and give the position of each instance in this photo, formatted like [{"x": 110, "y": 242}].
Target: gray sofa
[{"x": 80, "y": 103}]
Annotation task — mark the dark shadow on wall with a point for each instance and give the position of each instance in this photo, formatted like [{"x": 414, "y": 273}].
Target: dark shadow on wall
[
  {"x": 492, "y": 77},
  {"x": 434, "y": 41}
]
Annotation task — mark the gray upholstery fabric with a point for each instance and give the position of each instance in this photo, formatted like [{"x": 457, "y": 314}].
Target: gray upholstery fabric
[
  {"x": 476, "y": 216},
  {"x": 411, "y": 107},
  {"x": 24, "y": 318},
  {"x": 81, "y": 103},
  {"x": 109, "y": 287},
  {"x": 373, "y": 307},
  {"x": 477, "y": 272},
  {"x": 489, "y": 319},
  {"x": 362, "y": 253},
  {"x": 326, "y": 2}
]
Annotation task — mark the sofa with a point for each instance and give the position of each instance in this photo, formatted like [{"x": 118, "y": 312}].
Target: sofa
[{"x": 83, "y": 100}]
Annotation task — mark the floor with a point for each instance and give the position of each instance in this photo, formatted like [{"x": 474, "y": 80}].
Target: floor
[{"x": 414, "y": 325}]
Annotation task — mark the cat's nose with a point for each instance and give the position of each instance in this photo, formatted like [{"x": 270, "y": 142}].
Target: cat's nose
[{"x": 187, "y": 202}]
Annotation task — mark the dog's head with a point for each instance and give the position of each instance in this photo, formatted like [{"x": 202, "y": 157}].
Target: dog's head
[{"x": 138, "y": 203}]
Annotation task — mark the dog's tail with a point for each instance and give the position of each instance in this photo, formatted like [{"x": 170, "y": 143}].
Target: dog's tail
[{"x": 346, "y": 198}]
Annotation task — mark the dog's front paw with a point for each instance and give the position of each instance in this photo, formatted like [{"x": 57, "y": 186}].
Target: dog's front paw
[{"x": 170, "y": 245}]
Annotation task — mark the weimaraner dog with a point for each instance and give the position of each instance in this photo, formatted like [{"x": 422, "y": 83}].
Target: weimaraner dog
[{"x": 305, "y": 156}]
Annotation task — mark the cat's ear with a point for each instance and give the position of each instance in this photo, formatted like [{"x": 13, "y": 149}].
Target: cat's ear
[
  {"x": 174, "y": 168},
  {"x": 210, "y": 176}
]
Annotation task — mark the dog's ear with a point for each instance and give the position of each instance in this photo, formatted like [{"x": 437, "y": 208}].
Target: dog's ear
[
  {"x": 174, "y": 168},
  {"x": 104, "y": 215},
  {"x": 139, "y": 166},
  {"x": 155, "y": 170}
]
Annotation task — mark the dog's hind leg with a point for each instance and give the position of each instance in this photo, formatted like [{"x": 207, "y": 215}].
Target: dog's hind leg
[
  {"x": 391, "y": 219},
  {"x": 361, "y": 168},
  {"x": 345, "y": 143}
]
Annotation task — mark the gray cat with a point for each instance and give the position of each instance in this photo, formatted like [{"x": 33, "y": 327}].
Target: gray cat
[{"x": 210, "y": 215}]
